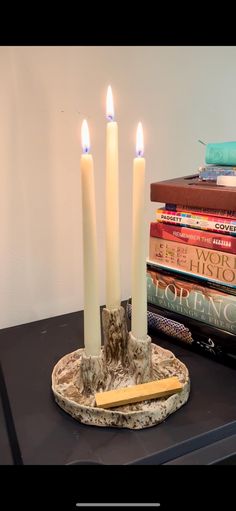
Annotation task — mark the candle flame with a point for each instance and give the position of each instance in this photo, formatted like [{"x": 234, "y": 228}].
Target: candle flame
[
  {"x": 85, "y": 136},
  {"x": 110, "y": 105},
  {"x": 139, "y": 140}
]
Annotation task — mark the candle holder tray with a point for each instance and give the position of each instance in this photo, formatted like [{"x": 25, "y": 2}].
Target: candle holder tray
[{"x": 74, "y": 369}]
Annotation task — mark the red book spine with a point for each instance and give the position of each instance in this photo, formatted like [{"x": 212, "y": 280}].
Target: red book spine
[{"x": 205, "y": 239}]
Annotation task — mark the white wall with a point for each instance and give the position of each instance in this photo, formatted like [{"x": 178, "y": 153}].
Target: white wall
[{"x": 180, "y": 94}]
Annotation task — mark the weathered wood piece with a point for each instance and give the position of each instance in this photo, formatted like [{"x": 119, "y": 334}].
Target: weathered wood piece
[{"x": 137, "y": 393}]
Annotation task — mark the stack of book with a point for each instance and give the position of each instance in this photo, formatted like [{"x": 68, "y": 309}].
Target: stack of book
[{"x": 191, "y": 269}]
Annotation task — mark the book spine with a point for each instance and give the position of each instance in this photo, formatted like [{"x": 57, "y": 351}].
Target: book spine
[
  {"x": 197, "y": 221},
  {"x": 193, "y": 260},
  {"x": 165, "y": 326},
  {"x": 226, "y": 338},
  {"x": 194, "y": 301},
  {"x": 201, "y": 211},
  {"x": 202, "y": 338},
  {"x": 197, "y": 237},
  {"x": 212, "y": 174},
  {"x": 198, "y": 281}
]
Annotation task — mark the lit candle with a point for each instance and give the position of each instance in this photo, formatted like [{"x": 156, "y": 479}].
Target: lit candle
[
  {"x": 113, "y": 297},
  {"x": 139, "y": 286},
  {"x": 92, "y": 329}
]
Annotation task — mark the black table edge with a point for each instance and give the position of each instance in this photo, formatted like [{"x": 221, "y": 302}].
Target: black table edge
[
  {"x": 11, "y": 430},
  {"x": 183, "y": 448}
]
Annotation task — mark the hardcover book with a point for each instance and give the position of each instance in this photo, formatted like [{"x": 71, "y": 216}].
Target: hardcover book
[
  {"x": 192, "y": 334},
  {"x": 205, "y": 239},
  {"x": 198, "y": 281},
  {"x": 206, "y": 339},
  {"x": 197, "y": 221},
  {"x": 193, "y": 300},
  {"x": 193, "y": 260},
  {"x": 221, "y": 337},
  {"x": 211, "y": 172},
  {"x": 191, "y": 191},
  {"x": 202, "y": 211}
]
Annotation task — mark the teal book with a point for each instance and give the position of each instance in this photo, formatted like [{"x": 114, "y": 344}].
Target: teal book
[
  {"x": 223, "y": 153},
  {"x": 188, "y": 298}
]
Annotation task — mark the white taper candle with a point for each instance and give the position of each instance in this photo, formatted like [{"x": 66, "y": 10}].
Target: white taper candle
[
  {"x": 92, "y": 328},
  {"x": 113, "y": 294},
  {"x": 139, "y": 287}
]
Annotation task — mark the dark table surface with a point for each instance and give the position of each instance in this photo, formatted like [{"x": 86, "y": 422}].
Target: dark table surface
[{"x": 47, "y": 435}]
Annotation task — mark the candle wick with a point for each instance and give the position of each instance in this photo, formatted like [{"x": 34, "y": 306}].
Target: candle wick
[{"x": 110, "y": 117}]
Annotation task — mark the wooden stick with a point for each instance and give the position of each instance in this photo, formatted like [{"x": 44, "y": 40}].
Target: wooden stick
[{"x": 136, "y": 393}]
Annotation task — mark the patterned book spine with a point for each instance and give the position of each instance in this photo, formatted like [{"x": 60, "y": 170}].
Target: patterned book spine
[
  {"x": 202, "y": 211},
  {"x": 205, "y": 342},
  {"x": 165, "y": 325},
  {"x": 192, "y": 260},
  {"x": 210, "y": 172},
  {"x": 197, "y": 221},
  {"x": 205, "y": 239},
  {"x": 194, "y": 301}
]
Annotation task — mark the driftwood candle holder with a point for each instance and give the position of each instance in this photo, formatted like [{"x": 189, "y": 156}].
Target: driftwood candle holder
[
  {"x": 124, "y": 361},
  {"x": 115, "y": 336}
]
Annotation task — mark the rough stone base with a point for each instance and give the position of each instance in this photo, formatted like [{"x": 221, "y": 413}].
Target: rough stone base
[
  {"x": 82, "y": 407},
  {"x": 115, "y": 335},
  {"x": 140, "y": 358},
  {"x": 91, "y": 374}
]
